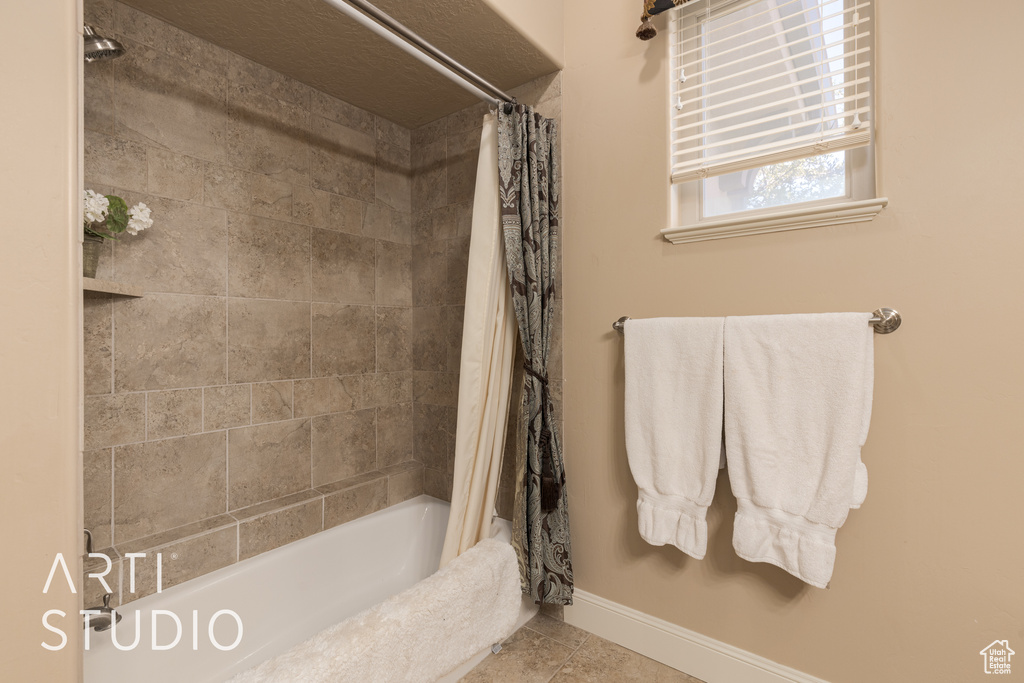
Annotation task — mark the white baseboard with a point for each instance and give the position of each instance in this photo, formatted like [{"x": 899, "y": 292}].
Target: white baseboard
[{"x": 708, "y": 659}]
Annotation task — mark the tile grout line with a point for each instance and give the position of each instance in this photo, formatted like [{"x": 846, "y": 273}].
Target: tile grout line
[{"x": 567, "y": 659}]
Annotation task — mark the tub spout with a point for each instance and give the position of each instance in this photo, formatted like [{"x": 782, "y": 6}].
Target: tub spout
[{"x": 105, "y": 619}]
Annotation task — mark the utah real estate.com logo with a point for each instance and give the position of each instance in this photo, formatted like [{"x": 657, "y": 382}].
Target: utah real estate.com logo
[{"x": 997, "y": 657}]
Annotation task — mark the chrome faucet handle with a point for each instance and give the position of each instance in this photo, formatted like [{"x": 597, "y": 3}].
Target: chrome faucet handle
[{"x": 88, "y": 541}]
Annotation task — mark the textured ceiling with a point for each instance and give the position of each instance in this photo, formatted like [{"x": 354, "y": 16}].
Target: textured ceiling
[{"x": 314, "y": 43}]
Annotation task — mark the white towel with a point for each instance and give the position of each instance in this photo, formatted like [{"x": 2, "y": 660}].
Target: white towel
[
  {"x": 674, "y": 425},
  {"x": 797, "y": 407},
  {"x": 416, "y": 636}
]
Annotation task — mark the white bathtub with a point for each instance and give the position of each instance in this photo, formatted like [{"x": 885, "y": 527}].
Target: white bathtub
[{"x": 282, "y": 597}]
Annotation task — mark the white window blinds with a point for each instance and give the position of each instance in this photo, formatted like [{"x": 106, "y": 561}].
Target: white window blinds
[{"x": 758, "y": 82}]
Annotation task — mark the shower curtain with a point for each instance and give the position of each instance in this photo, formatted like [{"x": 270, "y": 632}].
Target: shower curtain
[
  {"x": 530, "y": 185},
  {"x": 488, "y": 347},
  {"x": 510, "y": 286}
]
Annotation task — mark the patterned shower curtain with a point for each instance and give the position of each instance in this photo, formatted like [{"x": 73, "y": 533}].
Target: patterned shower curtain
[{"x": 529, "y": 179}]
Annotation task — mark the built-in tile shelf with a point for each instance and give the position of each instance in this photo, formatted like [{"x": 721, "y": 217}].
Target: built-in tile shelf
[{"x": 92, "y": 287}]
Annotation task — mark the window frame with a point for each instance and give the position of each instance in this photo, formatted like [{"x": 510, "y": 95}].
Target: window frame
[{"x": 688, "y": 222}]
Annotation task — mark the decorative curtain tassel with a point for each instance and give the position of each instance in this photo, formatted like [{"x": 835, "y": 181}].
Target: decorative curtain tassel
[{"x": 646, "y": 30}]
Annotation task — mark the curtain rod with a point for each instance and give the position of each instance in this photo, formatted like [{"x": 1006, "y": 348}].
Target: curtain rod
[{"x": 401, "y": 36}]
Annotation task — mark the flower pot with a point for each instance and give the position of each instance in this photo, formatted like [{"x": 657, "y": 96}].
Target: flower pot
[{"x": 91, "y": 248}]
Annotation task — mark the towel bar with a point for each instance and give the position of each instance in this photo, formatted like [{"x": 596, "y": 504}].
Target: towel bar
[{"x": 885, "y": 320}]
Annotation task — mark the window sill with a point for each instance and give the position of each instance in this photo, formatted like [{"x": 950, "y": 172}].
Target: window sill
[{"x": 813, "y": 217}]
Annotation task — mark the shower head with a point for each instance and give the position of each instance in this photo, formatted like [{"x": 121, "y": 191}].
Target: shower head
[{"x": 97, "y": 47}]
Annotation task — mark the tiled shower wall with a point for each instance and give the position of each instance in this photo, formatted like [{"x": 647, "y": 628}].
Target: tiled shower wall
[
  {"x": 262, "y": 389},
  {"x": 444, "y": 162},
  {"x": 294, "y": 361}
]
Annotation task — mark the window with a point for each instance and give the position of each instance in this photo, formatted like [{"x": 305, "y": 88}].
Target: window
[{"x": 771, "y": 116}]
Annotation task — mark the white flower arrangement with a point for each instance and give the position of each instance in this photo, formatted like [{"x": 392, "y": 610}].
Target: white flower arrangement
[
  {"x": 138, "y": 219},
  {"x": 106, "y": 216}
]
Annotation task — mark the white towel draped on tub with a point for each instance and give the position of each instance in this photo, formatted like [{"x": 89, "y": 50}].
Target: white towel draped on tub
[
  {"x": 797, "y": 407},
  {"x": 419, "y": 634},
  {"x": 674, "y": 425}
]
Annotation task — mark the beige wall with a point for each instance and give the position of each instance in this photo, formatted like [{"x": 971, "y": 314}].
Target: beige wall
[
  {"x": 39, "y": 276},
  {"x": 929, "y": 571},
  {"x": 540, "y": 21}
]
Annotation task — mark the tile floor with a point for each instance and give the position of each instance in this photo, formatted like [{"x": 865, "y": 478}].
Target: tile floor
[{"x": 546, "y": 649}]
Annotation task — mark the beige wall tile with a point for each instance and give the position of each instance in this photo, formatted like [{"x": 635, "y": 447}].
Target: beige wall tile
[
  {"x": 227, "y": 188},
  {"x": 266, "y": 135},
  {"x": 394, "y": 435},
  {"x": 355, "y": 502},
  {"x": 168, "y": 340},
  {"x": 275, "y": 529},
  {"x": 430, "y": 273},
  {"x": 430, "y": 345},
  {"x": 342, "y": 160},
  {"x": 160, "y": 485},
  {"x": 454, "y": 321},
  {"x": 173, "y": 175},
  {"x": 349, "y": 393},
  {"x": 394, "y": 274},
  {"x": 438, "y": 484},
  {"x": 344, "y": 445},
  {"x": 428, "y": 133},
  {"x": 343, "y": 268},
  {"x": 311, "y": 207},
  {"x": 114, "y": 161},
  {"x": 463, "y": 156},
  {"x": 112, "y": 419},
  {"x": 329, "y": 395},
  {"x": 343, "y": 339},
  {"x": 269, "y": 340},
  {"x": 99, "y": 14},
  {"x": 275, "y": 505},
  {"x": 267, "y": 259},
  {"x": 246, "y": 72},
  {"x": 96, "y": 484},
  {"x": 98, "y": 96},
  {"x": 271, "y": 198},
  {"x": 436, "y": 388},
  {"x": 339, "y": 111},
  {"x": 184, "y": 252},
  {"x": 174, "y": 535},
  {"x": 271, "y": 402},
  {"x": 177, "y": 43},
  {"x": 181, "y": 561},
  {"x": 458, "y": 269},
  {"x": 434, "y": 434},
  {"x": 226, "y": 406},
  {"x": 394, "y": 339},
  {"x": 393, "y": 185},
  {"x": 174, "y": 105},
  {"x": 268, "y": 461},
  {"x": 346, "y": 214},
  {"x": 97, "y": 345},
  {"x": 174, "y": 413},
  {"x": 470, "y": 118},
  {"x": 392, "y": 134},
  {"x": 313, "y": 396},
  {"x": 388, "y": 388},
  {"x": 430, "y": 176},
  {"x": 401, "y": 227},
  {"x": 377, "y": 221},
  {"x": 405, "y": 481}
]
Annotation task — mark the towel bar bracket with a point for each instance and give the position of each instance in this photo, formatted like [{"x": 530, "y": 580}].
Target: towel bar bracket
[{"x": 885, "y": 321}]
